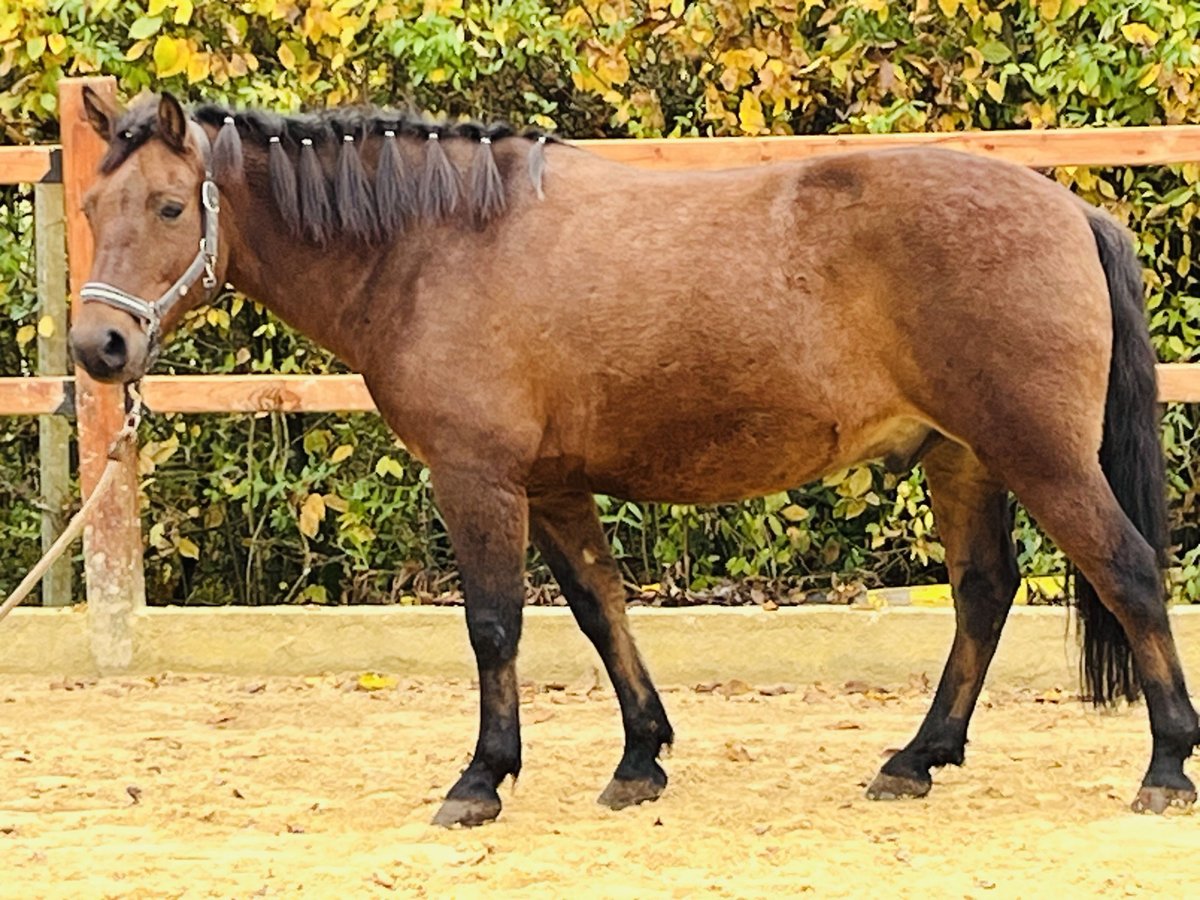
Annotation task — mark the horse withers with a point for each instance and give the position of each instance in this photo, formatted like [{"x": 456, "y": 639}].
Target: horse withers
[{"x": 538, "y": 324}]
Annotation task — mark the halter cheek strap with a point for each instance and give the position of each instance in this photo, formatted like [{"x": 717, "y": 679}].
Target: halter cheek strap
[{"x": 203, "y": 268}]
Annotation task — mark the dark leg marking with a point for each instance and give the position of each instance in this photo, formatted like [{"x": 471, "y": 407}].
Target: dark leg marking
[
  {"x": 567, "y": 531},
  {"x": 1083, "y": 517},
  {"x": 488, "y": 526},
  {"x": 974, "y": 519}
]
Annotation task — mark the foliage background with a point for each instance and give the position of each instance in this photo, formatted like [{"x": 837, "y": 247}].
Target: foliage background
[{"x": 324, "y": 509}]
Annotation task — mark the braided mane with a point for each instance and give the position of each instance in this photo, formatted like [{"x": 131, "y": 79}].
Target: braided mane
[{"x": 364, "y": 172}]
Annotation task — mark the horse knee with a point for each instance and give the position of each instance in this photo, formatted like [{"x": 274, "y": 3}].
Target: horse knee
[{"x": 494, "y": 634}]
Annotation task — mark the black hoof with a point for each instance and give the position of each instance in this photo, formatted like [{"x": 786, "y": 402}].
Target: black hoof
[
  {"x": 467, "y": 813},
  {"x": 623, "y": 792},
  {"x": 897, "y": 787},
  {"x": 1155, "y": 799}
]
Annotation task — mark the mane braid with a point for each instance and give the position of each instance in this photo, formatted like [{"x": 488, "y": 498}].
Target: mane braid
[
  {"x": 227, "y": 152},
  {"x": 439, "y": 191},
  {"x": 537, "y": 165},
  {"x": 282, "y": 175},
  {"x": 353, "y": 194},
  {"x": 395, "y": 198},
  {"x": 486, "y": 187},
  {"x": 315, "y": 210}
]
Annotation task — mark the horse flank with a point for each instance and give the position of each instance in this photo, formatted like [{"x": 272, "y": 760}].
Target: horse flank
[{"x": 325, "y": 187}]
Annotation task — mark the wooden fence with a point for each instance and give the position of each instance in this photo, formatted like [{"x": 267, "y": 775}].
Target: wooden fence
[{"x": 113, "y": 544}]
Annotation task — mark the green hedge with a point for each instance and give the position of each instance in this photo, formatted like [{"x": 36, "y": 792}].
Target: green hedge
[{"x": 318, "y": 508}]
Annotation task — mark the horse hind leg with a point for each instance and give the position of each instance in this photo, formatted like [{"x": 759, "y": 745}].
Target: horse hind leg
[
  {"x": 567, "y": 532},
  {"x": 974, "y": 519},
  {"x": 1082, "y": 516}
]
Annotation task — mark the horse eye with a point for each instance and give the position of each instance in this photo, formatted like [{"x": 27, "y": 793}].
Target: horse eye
[{"x": 171, "y": 210}]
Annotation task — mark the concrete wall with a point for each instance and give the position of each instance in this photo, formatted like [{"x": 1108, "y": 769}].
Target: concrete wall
[{"x": 681, "y": 646}]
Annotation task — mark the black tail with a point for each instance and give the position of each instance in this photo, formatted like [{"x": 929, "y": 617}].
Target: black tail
[{"x": 1131, "y": 457}]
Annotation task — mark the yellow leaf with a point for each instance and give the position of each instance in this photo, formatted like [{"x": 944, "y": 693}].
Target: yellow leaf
[
  {"x": 794, "y": 513},
  {"x": 948, "y": 7},
  {"x": 389, "y": 466},
  {"x": 154, "y": 7},
  {"x": 614, "y": 70},
  {"x": 188, "y": 549},
  {"x": 1150, "y": 75},
  {"x": 835, "y": 478},
  {"x": 859, "y": 482},
  {"x": 35, "y": 46},
  {"x": 373, "y": 681},
  {"x": 170, "y": 56},
  {"x": 311, "y": 515},
  {"x": 438, "y": 75},
  {"x": 310, "y": 73},
  {"x": 994, "y": 90},
  {"x": 199, "y": 65},
  {"x": 183, "y": 11},
  {"x": 46, "y": 327},
  {"x": 334, "y": 502},
  {"x": 879, "y": 7},
  {"x": 136, "y": 50},
  {"x": 217, "y": 317},
  {"x": 750, "y": 114},
  {"x": 25, "y": 334},
  {"x": 287, "y": 57},
  {"x": 1050, "y": 9},
  {"x": 314, "y": 593},
  {"x": 1137, "y": 33},
  {"x": 57, "y": 43},
  {"x": 342, "y": 452}
]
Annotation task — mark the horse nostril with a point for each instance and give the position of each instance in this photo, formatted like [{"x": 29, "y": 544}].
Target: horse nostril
[{"x": 113, "y": 354}]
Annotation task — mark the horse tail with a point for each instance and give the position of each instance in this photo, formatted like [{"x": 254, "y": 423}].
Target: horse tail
[{"x": 1132, "y": 459}]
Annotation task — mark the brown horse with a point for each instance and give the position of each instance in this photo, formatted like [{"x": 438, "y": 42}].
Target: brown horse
[{"x": 538, "y": 324}]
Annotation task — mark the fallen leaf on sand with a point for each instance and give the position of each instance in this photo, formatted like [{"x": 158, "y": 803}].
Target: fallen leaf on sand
[
  {"x": 735, "y": 687},
  {"x": 737, "y": 752},
  {"x": 373, "y": 681}
]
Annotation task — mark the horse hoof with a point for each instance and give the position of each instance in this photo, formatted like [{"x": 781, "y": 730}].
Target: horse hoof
[
  {"x": 897, "y": 787},
  {"x": 1154, "y": 799},
  {"x": 623, "y": 792},
  {"x": 466, "y": 813}
]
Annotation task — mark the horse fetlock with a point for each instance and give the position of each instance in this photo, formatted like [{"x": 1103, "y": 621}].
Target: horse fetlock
[{"x": 918, "y": 758}]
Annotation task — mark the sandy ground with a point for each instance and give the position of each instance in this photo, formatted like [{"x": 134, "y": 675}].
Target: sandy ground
[{"x": 317, "y": 788}]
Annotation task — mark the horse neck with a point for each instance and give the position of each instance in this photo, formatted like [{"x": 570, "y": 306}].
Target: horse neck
[{"x": 323, "y": 291}]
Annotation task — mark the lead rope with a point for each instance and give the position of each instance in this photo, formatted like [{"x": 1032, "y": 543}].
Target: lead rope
[{"x": 124, "y": 439}]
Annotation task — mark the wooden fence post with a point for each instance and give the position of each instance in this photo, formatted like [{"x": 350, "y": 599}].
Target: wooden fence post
[
  {"x": 112, "y": 542},
  {"x": 54, "y": 432}
]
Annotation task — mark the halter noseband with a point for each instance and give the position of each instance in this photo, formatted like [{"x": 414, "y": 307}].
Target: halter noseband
[{"x": 203, "y": 268}]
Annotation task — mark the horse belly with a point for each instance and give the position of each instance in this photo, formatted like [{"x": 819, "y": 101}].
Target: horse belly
[
  {"x": 715, "y": 458},
  {"x": 727, "y": 459}
]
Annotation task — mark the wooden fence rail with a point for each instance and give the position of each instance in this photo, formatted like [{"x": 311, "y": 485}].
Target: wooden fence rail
[
  {"x": 37, "y": 396},
  {"x": 112, "y": 544}
]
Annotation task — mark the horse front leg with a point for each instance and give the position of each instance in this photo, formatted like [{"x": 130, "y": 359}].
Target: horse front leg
[{"x": 488, "y": 525}]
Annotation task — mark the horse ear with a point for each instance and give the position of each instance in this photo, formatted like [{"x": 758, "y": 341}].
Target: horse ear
[
  {"x": 101, "y": 112},
  {"x": 172, "y": 123}
]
